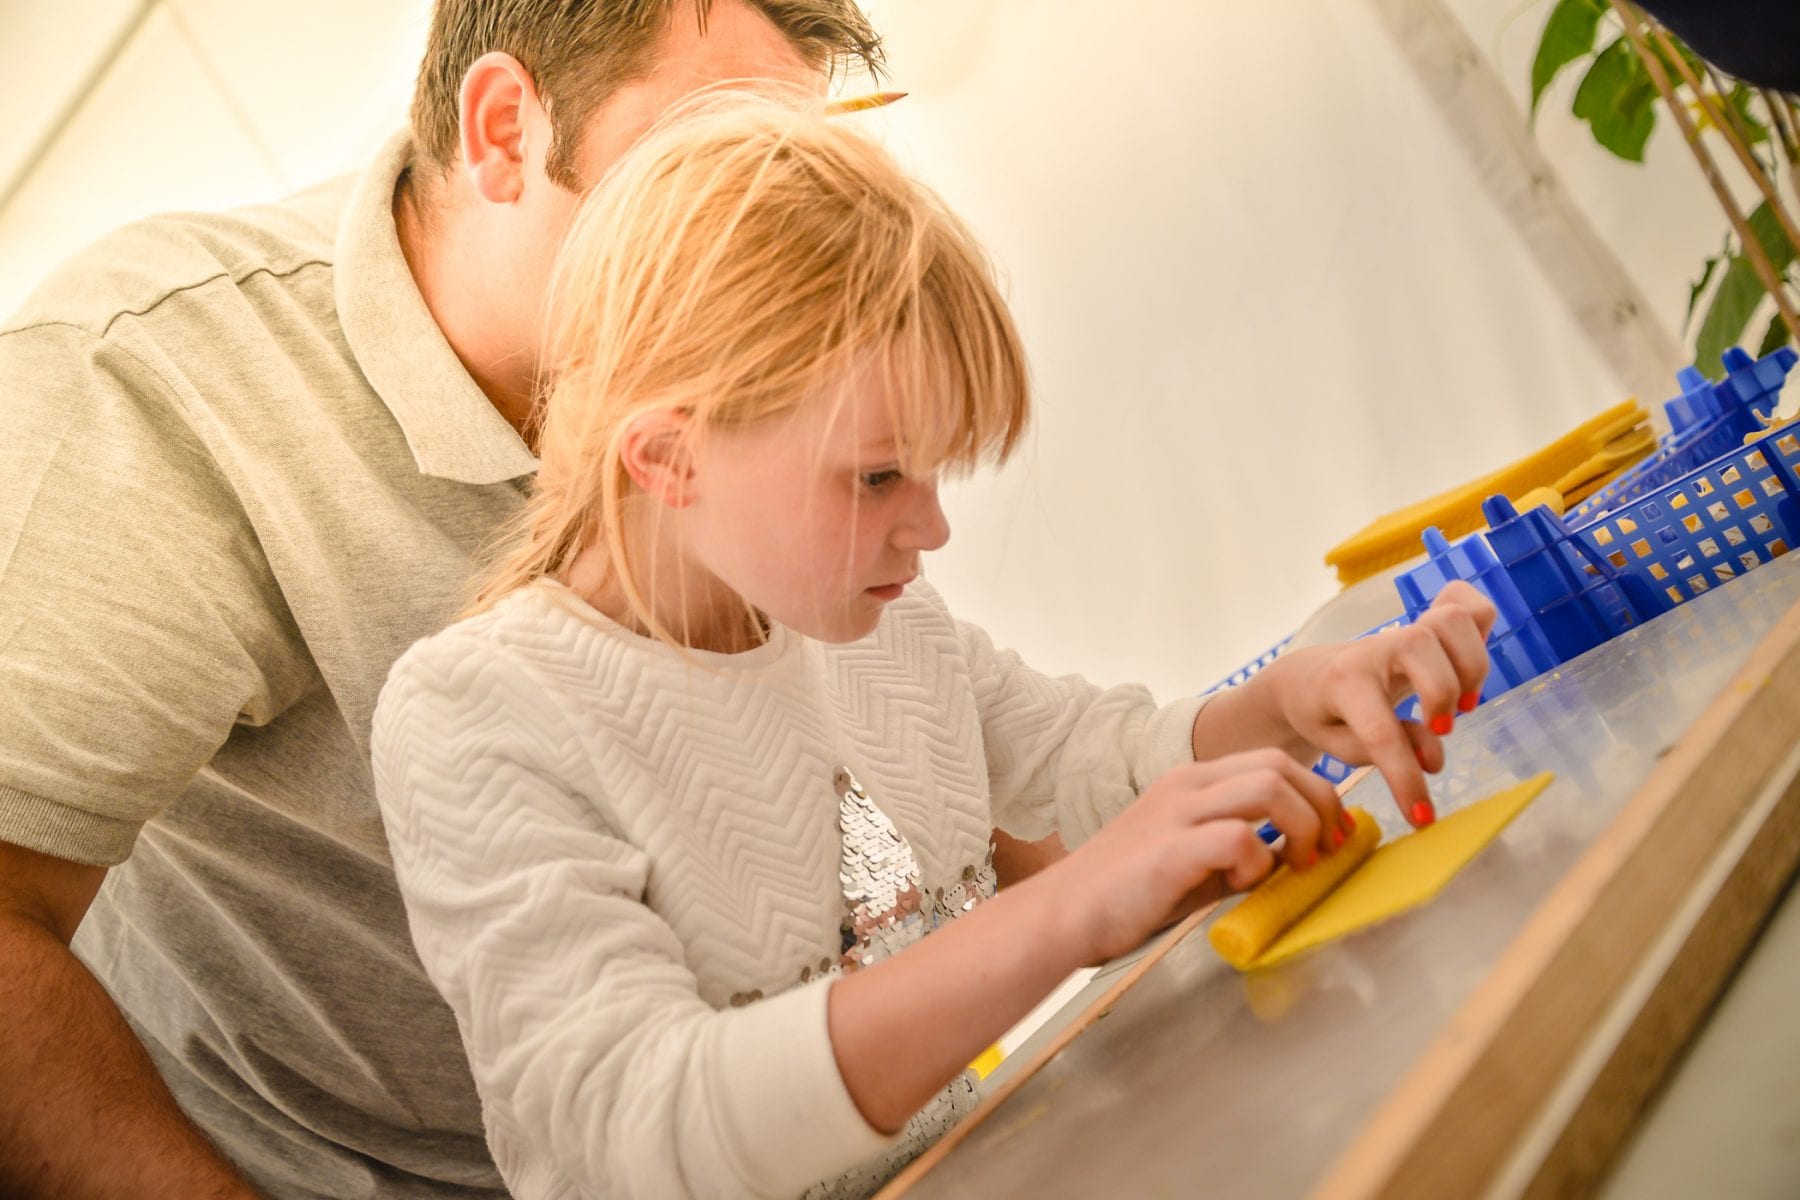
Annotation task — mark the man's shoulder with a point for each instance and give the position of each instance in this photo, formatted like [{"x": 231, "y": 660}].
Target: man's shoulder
[{"x": 136, "y": 268}]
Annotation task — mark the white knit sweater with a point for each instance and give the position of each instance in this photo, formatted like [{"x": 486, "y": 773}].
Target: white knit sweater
[{"x": 619, "y": 866}]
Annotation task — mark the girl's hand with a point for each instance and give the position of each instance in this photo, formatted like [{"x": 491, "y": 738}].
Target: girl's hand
[
  {"x": 1341, "y": 698},
  {"x": 1188, "y": 840}
]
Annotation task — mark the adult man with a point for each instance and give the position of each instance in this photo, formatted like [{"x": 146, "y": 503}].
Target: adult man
[{"x": 248, "y": 460}]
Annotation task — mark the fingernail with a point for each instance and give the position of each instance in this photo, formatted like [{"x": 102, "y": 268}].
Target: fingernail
[
  {"x": 1467, "y": 703},
  {"x": 1346, "y": 822},
  {"x": 1337, "y": 839},
  {"x": 1422, "y": 814},
  {"x": 1442, "y": 724},
  {"x": 1312, "y": 859}
]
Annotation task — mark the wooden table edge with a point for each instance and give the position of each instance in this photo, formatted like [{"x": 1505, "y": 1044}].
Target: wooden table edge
[
  {"x": 1098, "y": 1008},
  {"x": 1456, "y": 1122}
]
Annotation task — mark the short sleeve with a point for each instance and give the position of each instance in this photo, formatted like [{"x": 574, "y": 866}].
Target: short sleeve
[{"x": 138, "y": 619}]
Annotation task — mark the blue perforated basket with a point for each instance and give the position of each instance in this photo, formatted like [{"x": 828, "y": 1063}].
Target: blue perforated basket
[
  {"x": 1715, "y": 501},
  {"x": 1709, "y": 526},
  {"x": 1706, "y": 421}
]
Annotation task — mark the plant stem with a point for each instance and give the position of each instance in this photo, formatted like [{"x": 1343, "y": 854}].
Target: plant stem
[
  {"x": 1783, "y": 123},
  {"x": 1784, "y": 129},
  {"x": 1725, "y": 119},
  {"x": 1724, "y": 100},
  {"x": 1752, "y": 247}
]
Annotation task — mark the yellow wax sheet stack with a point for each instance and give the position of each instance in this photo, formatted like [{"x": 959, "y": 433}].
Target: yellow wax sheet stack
[
  {"x": 1294, "y": 911},
  {"x": 1575, "y": 465}
]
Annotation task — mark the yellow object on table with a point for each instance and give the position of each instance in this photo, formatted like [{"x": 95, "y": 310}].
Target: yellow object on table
[
  {"x": 987, "y": 1060},
  {"x": 1289, "y": 913},
  {"x": 1285, "y": 896},
  {"x": 1577, "y": 464}
]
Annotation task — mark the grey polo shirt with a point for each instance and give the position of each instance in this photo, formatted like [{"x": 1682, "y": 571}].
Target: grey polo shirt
[{"x": 242, "y": 472}]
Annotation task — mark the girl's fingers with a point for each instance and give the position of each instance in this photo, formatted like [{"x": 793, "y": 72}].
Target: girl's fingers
[
  {"x": 1317, "y": 791},
  {"x": 1301, "y": 805},
  {"x": 1459, "y": 594},
  {"x": 1420, "y": 664},
  {"x": 1230, "y": 853},
  {"x": 1428, "y": 748},
  {"x": 1464, "y": 644},
  {"x": 1386, "y": 742}
]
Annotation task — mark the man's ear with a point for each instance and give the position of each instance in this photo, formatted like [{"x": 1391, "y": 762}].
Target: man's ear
[
  {"x": 656, "y": 451},
  {"x": 501, "y": 118}
]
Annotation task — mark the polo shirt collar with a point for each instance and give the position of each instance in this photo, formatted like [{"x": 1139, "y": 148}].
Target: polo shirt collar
[{"x": 454, "y": 431}]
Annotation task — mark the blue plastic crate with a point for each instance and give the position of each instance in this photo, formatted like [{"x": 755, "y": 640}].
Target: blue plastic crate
[
  {"x": 1243, "y": 673},
  {"x": 1711, "y": 525},
  {"x": 1706, "y": 421},
  {"x": 1706, "y": 507}
]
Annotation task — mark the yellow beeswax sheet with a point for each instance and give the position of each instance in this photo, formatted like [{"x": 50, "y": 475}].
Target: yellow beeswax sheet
[
  {"x": 1404, "y": 873},
  {"x": 1584, "y": 459}
]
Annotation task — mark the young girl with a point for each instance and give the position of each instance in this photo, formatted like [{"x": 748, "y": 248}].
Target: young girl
[{"x": 675, "y": 805}]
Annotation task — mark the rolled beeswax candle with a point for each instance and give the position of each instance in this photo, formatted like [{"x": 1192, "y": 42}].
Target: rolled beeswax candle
[{"x": 1286, "y": 895}]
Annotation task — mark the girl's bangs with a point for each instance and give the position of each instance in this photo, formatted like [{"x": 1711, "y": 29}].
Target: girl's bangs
[{"x": 957, "y": 385}]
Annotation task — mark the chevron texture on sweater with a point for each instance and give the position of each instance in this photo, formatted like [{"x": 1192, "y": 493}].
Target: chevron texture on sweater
[{"x": 621, "y": 867}]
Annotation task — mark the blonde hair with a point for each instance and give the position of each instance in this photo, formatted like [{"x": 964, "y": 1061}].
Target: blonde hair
[{"x": 746, "y": 256}]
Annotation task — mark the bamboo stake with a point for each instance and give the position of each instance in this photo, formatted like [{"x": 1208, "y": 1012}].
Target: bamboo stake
[
  {"x": 1753, "y": 250},
  {"x": 1733, "y": 132},
  {"x": 1784, "y": 130},
  {"x": 1792, "y": 111},
  {"x": 1786, "y": 135},
  {"x": 1730, "y": 110}
]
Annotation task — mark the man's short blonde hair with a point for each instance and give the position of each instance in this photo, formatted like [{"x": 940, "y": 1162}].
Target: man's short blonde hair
[{"x": 579, "y": 52}]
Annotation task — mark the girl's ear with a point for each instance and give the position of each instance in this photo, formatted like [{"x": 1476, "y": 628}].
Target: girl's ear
[{"x": 656, "y": 454}]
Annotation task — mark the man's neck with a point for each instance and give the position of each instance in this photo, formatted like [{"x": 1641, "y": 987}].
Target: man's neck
[{"x": 467, "y": 304}]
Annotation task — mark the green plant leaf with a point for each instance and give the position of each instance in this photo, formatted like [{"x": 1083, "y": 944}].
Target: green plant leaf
[
  {"x": 1740, "y": 293},
  {"x": 1617, "y": 100},
  {"x": 1768, "y": 231},
  {"x": 1698, "y": 286},
  {"x": 1568, "y": 35},
  {"x": 1777, "y": 336},
  {"x": 1740, "y": 99}
]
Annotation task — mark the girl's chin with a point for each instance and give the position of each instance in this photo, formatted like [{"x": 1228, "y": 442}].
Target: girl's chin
[{"x": 851, "y": 629}]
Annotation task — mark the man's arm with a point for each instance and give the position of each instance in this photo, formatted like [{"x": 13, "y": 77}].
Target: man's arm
[
  {"x": 1016, "y": 861},
  {"x": 83, "y": 1112}
]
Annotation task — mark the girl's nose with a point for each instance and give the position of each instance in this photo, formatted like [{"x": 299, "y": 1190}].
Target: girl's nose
[{"x": 926, "y": 527}]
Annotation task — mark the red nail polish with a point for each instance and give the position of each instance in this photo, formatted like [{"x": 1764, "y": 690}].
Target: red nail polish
[
  {"x": 1422, "y": 814},
  {"x": 1312, "y": 859},
  {"x": 1346, "y": 822},
  {"x": 1442, "y": 724},
  {"x": 1467, "y": 703},
  {"x": 1337, "y": 839}
]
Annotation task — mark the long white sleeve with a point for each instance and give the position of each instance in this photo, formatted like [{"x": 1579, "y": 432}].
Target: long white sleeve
[
  {"x": 623, "y": 868},
  {"x": 1064, "y": 754},
  {"x": 601, "y": 1069}
]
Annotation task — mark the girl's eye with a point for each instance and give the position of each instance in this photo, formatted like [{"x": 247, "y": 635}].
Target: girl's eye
[{"x": 876, "y": 480}]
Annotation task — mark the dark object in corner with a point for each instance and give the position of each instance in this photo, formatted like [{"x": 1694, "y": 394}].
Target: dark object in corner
[{"x": 1758, "y": 41}]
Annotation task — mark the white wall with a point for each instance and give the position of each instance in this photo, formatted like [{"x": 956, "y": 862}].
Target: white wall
[
  {"x": 208, "y": 103},
  {"x": 1265, "y": 295}
]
